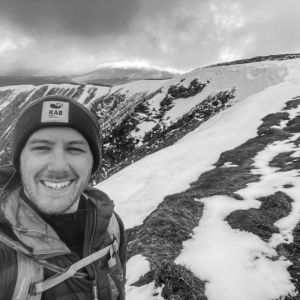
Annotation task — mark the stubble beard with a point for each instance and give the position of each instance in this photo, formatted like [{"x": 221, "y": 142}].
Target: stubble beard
[{"x": 53, "y": 204}]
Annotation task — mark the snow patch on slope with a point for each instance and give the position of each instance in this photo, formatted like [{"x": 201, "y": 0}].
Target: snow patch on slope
[{"x": 235, "y": 263}]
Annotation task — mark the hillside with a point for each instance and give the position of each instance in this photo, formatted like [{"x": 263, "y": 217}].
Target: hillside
[
  {"x": 203, "y": 169},
  {"x": 221, "y": 201}
]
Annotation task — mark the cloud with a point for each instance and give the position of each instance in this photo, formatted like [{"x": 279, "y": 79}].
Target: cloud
[
  {"x": 72, "y": 35},
  {"x": 89, "y": 17},
  {"x": 278, "y": 30},
  {"x": 252, "y": 28}
]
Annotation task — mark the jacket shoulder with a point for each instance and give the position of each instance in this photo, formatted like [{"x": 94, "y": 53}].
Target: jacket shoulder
[
  {"x": 8, "y": 271},
  {"x": 96, "y": 194},
  {"x": 9, "y": 178}
]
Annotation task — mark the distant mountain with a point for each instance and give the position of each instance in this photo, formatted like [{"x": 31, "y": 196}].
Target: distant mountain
[
  {"x": 8, "y": 80},
  {"x": 116, "y": 75},
  {"x": 106, "y": 76}
]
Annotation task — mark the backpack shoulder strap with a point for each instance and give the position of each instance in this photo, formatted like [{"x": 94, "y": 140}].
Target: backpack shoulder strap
[
  {"x": 42, "y": 286},
  {"x": 113, "y": 229},
  {"x": 29, "y": 272}
]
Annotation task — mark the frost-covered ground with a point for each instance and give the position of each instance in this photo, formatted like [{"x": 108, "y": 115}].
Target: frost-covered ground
[{"x": 216, "y": 251}]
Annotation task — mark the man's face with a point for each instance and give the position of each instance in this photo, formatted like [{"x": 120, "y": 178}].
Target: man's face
[{"x": 55, "y": 166}]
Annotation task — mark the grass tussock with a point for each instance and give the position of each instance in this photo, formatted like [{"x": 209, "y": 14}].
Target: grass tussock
[{"x": 179, "y": 283}]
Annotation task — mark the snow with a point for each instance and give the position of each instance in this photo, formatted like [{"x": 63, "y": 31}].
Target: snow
[
  {"x": 17, "y": 88},
  {"x": 3, "y": 104},
  {"x": 137, "y": 266},
  {"x": 14, "y": 90},
  {"x": 238, "y": 265},
  {"x": 66, "y": 86},
  {"x": 234, "y": 262},
  {"x": 142, "y": 128},
  {"x": 182, "y": 106},
  {"x": 100, "y": 91},
  {"x": 154, "y": 102},
  {"x": 140, "y": 86},
  {"x": 229, "y": 164},
  {"x": 7, "y": 130},
  {"x": 147, "y": 291},
  {"x": 63, "y": 86}
]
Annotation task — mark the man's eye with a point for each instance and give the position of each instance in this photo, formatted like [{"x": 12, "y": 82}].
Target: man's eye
[
  {"x": 40, "y": 148},
  {"x": 75, "y": 150}
]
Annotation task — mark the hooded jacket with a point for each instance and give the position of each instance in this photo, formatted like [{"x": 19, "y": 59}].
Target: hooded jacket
[{"x": 19, "y": 222}]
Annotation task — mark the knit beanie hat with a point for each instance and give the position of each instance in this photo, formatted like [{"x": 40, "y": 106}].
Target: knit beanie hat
[{"x": 56, "y": 111}]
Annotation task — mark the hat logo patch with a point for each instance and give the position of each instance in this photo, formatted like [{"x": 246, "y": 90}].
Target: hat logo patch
[
  {"x": 56, "y": 105},
  {"x": 55, "y": 111}
]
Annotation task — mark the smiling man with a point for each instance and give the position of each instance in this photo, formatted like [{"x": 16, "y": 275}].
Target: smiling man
[
  {"x": 55, "y": 166},
  {"x": 59, "y": 238}
]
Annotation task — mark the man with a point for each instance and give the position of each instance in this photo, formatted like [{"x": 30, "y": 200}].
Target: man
[{"x": 59, "y": 238}]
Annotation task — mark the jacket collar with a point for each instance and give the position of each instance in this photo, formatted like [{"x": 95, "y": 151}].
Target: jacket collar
[
  {"x": 35, "y": 233},
  {"x": 30, "y": 228}
]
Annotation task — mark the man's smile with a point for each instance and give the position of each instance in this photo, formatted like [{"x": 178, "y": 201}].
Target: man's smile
[{"x": 57, "y": 185}]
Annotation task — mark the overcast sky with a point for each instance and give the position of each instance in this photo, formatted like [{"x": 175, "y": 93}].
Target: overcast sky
[{"x": 81, "y": 35}]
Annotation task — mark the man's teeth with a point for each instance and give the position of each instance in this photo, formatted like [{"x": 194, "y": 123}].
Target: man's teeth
[{"x": 57, "y": 185}]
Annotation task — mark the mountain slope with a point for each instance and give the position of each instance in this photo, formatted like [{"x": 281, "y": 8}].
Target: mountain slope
[{"x": 184, "y": 203}]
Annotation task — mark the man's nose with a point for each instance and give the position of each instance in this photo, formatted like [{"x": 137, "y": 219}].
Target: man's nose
[{"x": 58, "y": 161}]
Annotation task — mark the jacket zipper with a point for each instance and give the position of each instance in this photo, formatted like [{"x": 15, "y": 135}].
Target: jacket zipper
[
  {"x": 117, "y": 283},
  {"x": 94, "y": 282}
]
